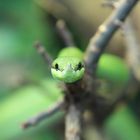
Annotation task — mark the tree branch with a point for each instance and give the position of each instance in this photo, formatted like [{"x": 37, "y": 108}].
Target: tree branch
[
  {"x": 43, "y": 115},
  {"x": 105, "y": 32},
  {"x": 64, "y": 33},
  {"x": 73, "y": 123},
  {"x": 132, "y": 48},
  {"x": 41, "y": 50}
]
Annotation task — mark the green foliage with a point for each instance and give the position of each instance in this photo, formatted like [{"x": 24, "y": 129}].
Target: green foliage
[
  {"x": 122, "y": 125},
  {"x": 21, "y": 24},
  {"x": 114, "y": 69},
  {"x": 24, "y": 103},
  {"x": 22, "y": 95}
]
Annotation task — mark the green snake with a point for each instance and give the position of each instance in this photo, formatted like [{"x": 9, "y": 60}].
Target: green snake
[{"x": 69, "y": 67}]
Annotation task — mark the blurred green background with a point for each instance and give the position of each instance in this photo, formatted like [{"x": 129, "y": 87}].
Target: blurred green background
[{"x": 26, "y": 86}]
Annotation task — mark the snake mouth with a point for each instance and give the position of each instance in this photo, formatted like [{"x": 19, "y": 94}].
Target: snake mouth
[{"x": 61, "y": 70}]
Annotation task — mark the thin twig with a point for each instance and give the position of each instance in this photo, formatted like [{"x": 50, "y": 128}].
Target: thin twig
[
  {"x": 105, "y": 32},
  {"x": 73, "y": 123},
  {"x": 44, "y": 115},
  {"x": 132, "y": 48},
  {"x": 110, "y": 3},
  {"x": 41, "y": 50},
  {"x": 64, "y": 33}
]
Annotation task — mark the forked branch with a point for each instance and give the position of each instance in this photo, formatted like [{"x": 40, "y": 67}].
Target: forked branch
[{"x": 105, "y": 32}]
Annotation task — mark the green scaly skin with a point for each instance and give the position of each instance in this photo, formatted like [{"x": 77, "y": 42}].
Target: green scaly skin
[{"x": 69, "y": 67}]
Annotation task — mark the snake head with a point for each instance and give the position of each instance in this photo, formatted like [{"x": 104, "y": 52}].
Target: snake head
[{"x": 68, "y": 69}]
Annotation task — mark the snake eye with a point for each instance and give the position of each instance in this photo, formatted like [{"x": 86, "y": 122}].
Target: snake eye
[
  {"x": 79, "y": 66},
  {"x": 56, "y": 66}
]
